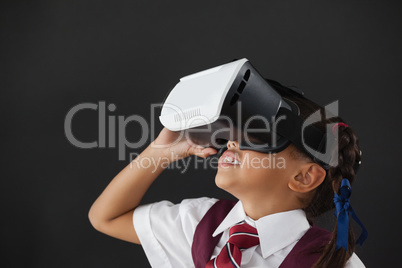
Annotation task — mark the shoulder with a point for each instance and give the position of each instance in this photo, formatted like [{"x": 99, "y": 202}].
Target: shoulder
[
  {"x": 193, "y": 210},
  {"x": 166, "y": 230},
  {"x": 194, "y": 207},
  {"x": 197, "y": 204},
  {"x": 188, "y": 212},
  {"x": 354, "y": 262}
]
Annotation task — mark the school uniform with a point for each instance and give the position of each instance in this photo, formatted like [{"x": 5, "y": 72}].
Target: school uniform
[{"x": 166, "y": 233}]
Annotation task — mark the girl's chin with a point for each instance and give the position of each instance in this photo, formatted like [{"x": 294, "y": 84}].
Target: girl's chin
[{"x": 224, "y": 181}]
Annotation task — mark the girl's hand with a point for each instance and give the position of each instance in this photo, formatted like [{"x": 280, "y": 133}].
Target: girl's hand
[
  {"x": 175, "y": 146},
  {"x": 112, "y": 212}
]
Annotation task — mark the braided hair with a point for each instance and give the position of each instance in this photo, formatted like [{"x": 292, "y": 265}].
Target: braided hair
[{"x": 322, "y": 200}]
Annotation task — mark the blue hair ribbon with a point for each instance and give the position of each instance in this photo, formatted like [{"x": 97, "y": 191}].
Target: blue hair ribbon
[{"x": 343, "y": 209}]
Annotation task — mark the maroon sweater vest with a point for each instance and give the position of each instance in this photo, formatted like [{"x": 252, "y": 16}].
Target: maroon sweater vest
[{"x": 304, "y": 254}]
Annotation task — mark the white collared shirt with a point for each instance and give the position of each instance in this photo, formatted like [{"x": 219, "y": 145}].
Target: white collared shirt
[{"x": 166, "y": 233}]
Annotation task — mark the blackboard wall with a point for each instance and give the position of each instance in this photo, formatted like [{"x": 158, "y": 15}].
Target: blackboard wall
[{"x": 58, "y": 54}]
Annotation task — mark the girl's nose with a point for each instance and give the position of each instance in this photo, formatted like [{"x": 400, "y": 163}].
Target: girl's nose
[{"x": 232, "y": 144}]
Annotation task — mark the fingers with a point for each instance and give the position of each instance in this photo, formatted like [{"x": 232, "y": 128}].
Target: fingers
[
  {"x": 168, "y": 138},
  {"x": 203, "y": 152}
]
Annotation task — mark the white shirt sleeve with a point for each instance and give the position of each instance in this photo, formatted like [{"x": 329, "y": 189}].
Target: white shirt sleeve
[
  {"x": 166, "y": 230},
  {"x": 354, "y": 262}
]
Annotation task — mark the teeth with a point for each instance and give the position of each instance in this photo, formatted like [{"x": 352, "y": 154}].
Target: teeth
[
  {"x": 229, "y": 159},
  {"x": 235, "y": 162}
]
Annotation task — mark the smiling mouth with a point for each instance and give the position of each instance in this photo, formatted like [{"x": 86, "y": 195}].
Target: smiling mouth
[{"x": 230, "y": 160}]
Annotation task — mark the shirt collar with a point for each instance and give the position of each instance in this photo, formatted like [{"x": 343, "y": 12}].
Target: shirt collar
[{"x": 276, "y": 231}]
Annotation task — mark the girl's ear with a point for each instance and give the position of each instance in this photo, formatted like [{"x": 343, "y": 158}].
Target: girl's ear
[{"x": 309, "y": 178}]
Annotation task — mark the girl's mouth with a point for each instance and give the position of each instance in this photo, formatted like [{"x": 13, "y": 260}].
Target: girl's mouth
[{"x": 229, "y": 159}]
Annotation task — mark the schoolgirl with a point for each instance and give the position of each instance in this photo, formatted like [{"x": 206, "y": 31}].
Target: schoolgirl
[{"x": 269, "y": 226}]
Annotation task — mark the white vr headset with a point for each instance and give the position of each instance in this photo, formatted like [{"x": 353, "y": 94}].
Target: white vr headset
[{"x": 234, "y": 102}]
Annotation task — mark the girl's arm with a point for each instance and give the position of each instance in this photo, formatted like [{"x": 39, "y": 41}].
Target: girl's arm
[{"x": 112, "y": 212}]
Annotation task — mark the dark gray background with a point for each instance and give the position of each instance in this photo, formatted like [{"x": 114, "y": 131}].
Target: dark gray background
[{"x": 57, "y": 54}]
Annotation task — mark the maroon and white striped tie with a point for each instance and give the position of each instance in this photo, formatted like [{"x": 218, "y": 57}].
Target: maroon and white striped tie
[{"x": 241, "y": 236}]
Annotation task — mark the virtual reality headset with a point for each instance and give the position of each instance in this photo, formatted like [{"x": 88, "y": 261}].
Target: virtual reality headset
[{"x": 234, "y": 102}]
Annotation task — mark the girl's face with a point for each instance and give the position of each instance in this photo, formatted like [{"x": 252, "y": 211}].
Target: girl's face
[{"x": 250, "y": 175}]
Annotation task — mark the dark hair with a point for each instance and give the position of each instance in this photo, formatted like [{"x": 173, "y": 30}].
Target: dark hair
[{"x": 322, "y": 200}]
